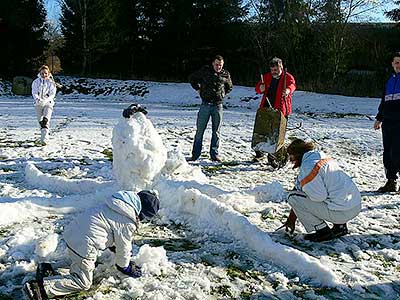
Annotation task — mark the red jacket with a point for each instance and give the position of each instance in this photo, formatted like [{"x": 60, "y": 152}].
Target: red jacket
[{"x": 279, "y": 100}]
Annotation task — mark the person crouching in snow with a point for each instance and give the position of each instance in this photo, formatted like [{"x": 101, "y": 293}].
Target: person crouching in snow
[
  {"x": 110, "y": 225},
  {"x": 43, "y": 92},
  {"x": 323, "y": 192}
]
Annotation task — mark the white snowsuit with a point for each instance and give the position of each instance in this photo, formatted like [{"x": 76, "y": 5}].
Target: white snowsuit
[
  {"x": 111, "y": 224},
  {"x": 324, "y": 193},
  {"x": 44, "y": 92}
]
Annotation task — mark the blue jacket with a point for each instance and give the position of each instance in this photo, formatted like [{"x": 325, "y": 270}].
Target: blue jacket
[{"x": 389, "y": 108}]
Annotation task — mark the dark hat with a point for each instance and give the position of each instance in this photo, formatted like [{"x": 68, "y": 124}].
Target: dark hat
[{"x": 150, "y": 204}]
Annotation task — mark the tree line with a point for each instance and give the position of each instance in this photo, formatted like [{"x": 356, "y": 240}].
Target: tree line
[{"x": 166, "y": 40}]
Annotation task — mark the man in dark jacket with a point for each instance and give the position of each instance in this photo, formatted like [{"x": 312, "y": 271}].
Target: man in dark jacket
[
  {"x": 388, "y": 118},
  {"x": 212, "y": 83}
]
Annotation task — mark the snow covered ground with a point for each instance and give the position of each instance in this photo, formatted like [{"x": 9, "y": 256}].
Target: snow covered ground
[{"x": 218, "y": 221}]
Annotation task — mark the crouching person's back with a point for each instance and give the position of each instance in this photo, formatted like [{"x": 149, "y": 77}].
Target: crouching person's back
[{"x": 110, "y": 225}]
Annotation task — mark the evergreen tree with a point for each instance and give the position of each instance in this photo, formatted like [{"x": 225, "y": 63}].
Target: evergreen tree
[
  {"x": 394, "y": 14},
  {"x": 22, "y": 28}
]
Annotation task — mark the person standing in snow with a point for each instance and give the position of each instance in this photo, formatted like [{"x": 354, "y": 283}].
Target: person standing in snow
[
  {"x": 212, "y": 83},
  {"x": 388, "y": 118},
  {"x": 43, "y": 92},
  {"x": 110, "y": 225},
  {"x": 323, "y": 192},
  {"x": 275, "y": 95}
]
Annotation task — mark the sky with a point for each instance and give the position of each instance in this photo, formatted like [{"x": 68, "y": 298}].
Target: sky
[{"x": 54, "y": 10}]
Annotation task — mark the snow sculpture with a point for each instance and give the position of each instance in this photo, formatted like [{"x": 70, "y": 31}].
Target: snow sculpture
[{"x": 138, "y": 152}]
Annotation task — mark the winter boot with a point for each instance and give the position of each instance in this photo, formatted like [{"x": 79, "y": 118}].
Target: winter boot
[
  {"x": 33, "y": 291},
  {"x": 339, "y": 230},
  {"x": 216, "y": 158},
  {"x": 43, "y": 135},
  {"x": 390, "y": 186},
  {"x": 44, "y": 123},
  {"x": 44, "y": 270},
  {"x": 258, "y": 157},
  {"x": 324, "y": 234},
  {"x": 272, "y": 161}
]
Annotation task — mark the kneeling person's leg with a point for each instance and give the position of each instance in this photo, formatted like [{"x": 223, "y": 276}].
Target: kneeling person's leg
[{"x": 80, "y": 278}]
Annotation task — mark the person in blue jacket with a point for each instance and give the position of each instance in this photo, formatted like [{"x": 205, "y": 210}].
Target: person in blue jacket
[{"x": 388, "y": 118}]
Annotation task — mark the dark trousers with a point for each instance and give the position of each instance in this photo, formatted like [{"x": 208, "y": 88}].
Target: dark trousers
[
  {"x": 206, "y": 111},
  {"x": 391, "y": 148}
]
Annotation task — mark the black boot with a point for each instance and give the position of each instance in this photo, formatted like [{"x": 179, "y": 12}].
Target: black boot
[
  {"x": 44, "y": 270},
  {"x": 339, "y": 230},
  {"x": 44, "y": 122},
  {"x": 390, "y": 186},
  {"x": 33, "y": 291},
  {"x": 324, "y": 234}
]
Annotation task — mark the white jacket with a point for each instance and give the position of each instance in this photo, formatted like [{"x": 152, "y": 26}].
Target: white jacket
[
  {"x": 43, "y": 90},
  {"x": 323, "y": 180},
  {"x": 110, "y": 224}
]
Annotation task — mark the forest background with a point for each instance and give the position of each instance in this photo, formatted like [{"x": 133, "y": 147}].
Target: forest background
[{"x": 330, "y": 46}]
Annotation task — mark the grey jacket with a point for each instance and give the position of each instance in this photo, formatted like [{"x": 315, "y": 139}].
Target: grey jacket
[{"x": 111, "y": 224}]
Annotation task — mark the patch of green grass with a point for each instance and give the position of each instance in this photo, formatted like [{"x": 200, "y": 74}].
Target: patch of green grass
[
  {"x": 108, "y": 153},
  {"x": 5, "y": 231},
  {"x": 5, "y": 297},
  {"x": 385, "y": 263},
  {"x": 236, "y": 272},
  {"x": 213, "y": 169},
  {"x": 245, "y": 295},
  {"x": 333, "y": 254},
  {"x": 174, "y": 244},
  {"x": 222, "y": 290}
]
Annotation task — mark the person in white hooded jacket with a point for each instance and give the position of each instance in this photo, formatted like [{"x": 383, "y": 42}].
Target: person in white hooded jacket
[
  {"x": 111, "y": 225},
  {"x": 323, "y": 193},
  {"x": 44, "y": 92}
]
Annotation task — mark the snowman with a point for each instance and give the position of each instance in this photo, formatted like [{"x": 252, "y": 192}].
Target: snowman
[{"x": 138, "y": 151}]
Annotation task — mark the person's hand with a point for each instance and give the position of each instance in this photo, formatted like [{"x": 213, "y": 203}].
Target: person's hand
[
  {"x": 262, "y": 87},
  {"x": 290, "y": 223},
  {"x": 131, "y": 270},
  {"x": 377, "y": 125},
  {"x": 286, "y": 92}
]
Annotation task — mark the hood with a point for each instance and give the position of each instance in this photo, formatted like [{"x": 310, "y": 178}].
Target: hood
[
  {"x": 313, "y": 156},
  {"x": 126, "y": 203}
]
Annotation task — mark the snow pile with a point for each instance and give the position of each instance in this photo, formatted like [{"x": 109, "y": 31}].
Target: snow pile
[
  {"x": 58, "y": 184},
  {"x": 46, "y": 245},
  {"x": 153, "y": 260},
  {"x": 177, "y": 168},
  {"x": 270, "y": 192},
  {"x": 5, "y": 87},
  {"x": 102, "y": 87},
  {"x": 211, "y": 217},
  {"x": 138, "y": 152}
]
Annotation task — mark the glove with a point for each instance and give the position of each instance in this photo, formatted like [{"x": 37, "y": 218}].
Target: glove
[
  {"x": 131, "y": 270},
  {"x": 133, "y": 108}
]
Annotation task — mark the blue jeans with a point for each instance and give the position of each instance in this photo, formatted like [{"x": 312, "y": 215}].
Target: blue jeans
[{"x": 203, "y": 116}]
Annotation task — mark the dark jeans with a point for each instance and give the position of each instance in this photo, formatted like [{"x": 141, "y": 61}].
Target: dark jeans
[
  {"x": 391, "y": 148},
  {"x": 203, "y": 116}
]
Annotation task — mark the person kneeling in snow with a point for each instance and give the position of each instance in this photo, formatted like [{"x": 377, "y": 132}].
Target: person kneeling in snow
[
  {"x": 110, "y": 225},
  {"x": 323, "y": 192}
]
